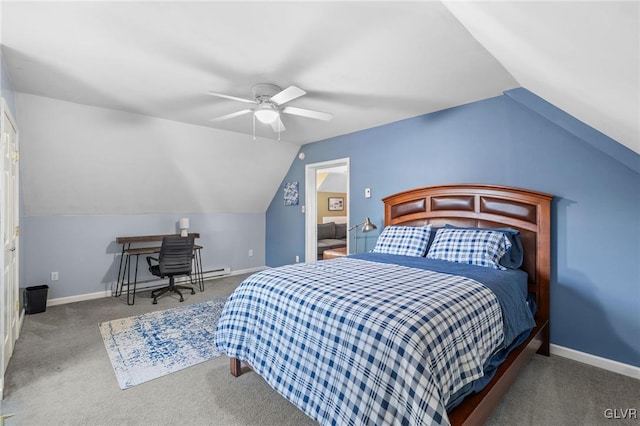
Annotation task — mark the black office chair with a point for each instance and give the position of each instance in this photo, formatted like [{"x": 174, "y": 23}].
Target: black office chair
[{"x": 176, "y": 256}]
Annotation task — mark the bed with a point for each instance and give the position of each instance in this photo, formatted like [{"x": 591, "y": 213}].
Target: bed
[{"x": 388, "y": 338}]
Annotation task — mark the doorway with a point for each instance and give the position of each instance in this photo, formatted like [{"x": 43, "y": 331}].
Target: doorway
[{"x": 334, "y": 174}]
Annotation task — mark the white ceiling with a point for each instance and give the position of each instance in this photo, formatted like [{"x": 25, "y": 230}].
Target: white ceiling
[{"x": 368, "y": 63}]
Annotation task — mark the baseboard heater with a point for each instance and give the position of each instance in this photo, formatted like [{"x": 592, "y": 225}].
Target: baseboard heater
[{"x": 213, "y": 273}]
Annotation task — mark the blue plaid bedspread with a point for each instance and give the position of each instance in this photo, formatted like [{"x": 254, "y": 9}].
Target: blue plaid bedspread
[{"x": 355, "y": 342}]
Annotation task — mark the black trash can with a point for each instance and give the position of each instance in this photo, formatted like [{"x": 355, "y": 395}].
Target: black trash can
[{"x": 35, "y": 299}]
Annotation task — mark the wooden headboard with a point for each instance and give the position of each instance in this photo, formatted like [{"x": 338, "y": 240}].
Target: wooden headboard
[{"x": 485, "y": 206}]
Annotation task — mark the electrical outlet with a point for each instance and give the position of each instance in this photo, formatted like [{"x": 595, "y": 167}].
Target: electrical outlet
[
  {"x": 55, "y": 276},
  {"x": 250, "y": 252},
  {"x": 367, "y": 193},
  {"x": 297, "y": 259}
]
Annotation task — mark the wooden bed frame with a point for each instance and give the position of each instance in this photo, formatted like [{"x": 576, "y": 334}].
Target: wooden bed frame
[{"x": 485, "y": 206}]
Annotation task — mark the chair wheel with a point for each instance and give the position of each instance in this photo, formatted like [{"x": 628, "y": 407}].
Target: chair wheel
[
  {"x": 193, "y": 291},
  {"x": 155, "y": 302},
  {"x": 181, "y": 299}
]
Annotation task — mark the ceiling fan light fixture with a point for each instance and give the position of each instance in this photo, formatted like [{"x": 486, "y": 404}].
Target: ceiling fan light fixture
[
  {"x": 266, "y": 113},
  {"x": 270, "y": 104}
]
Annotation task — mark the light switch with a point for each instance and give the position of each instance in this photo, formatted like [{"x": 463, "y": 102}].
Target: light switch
[{"x": 367, "y": 193}]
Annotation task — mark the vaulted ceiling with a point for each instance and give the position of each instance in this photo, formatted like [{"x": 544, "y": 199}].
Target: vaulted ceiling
[{"x": 367, "y": 63}]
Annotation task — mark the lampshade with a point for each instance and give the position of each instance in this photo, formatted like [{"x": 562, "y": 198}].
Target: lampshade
[
  {"x": 266, "y": 113},
  {"x": 184, "y": 223},
  {"x": 368, "y": 226}
]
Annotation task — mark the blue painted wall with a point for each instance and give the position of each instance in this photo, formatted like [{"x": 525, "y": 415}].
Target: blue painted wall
[
  {"x": 84, "y": 251},
  {"x": 507, "y": 141}
]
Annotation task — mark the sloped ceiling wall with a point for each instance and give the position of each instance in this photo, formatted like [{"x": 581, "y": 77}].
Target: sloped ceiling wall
[
  {"x": 85, "y": 160},
  {"x": 334, "y": 182},
  {"x": 583, "y": 57}
]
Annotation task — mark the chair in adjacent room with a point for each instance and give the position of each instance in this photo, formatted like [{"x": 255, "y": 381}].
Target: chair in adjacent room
[{"x": 175, "y": 259}]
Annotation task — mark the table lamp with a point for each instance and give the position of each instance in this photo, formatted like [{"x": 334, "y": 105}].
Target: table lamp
[
  {"x": 366, "y": 227},
  {"x": 184, "y": 226}
]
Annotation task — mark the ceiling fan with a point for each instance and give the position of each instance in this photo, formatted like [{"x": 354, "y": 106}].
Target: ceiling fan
[{"x": 269, "y": 101}]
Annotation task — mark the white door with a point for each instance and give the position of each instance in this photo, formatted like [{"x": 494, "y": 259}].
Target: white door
[{"x": 9, "y": 215}]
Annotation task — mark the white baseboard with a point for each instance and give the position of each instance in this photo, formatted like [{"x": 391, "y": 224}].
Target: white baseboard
[
  {"x": 108, "y": 293},
  {"x": 78, "y": 298},
  {"x": 596, "y": 361}
]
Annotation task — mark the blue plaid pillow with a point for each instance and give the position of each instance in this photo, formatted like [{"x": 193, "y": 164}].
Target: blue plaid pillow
[
  {"x": 473, "y": 246},
  {"x": 403, "y": 240}
]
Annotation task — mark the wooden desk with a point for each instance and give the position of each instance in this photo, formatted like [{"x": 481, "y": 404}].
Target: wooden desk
[
  {"x": 333, "y": 253},
  {"x": 124, "y": 270}
]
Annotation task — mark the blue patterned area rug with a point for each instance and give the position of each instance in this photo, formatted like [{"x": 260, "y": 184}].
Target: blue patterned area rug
[{"x": 148, "y": 346}]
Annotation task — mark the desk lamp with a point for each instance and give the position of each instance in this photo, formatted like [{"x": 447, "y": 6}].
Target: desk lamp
[{"x": 366, "y": 227}]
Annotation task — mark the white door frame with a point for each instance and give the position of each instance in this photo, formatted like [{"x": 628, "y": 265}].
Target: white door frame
[{"x": 311, "y": 208}]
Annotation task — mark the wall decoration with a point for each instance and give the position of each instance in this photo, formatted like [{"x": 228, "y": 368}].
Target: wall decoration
[
  {"x": 291, "y": 194},
  {"x": 336, "y": 203}
]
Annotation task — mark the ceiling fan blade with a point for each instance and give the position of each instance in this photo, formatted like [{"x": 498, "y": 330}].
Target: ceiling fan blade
[
  {"x": 233, "y": 98},
  {"x": 278, "y": 126},
  {"x": 287, "y": 95},
  {"x": 232, "y": 115},
  {"x": 308, "y": 113}
]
